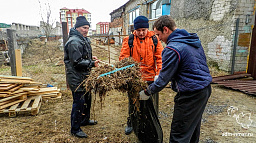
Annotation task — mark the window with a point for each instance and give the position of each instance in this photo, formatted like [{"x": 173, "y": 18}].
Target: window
[
  {"x": 131, "y": 19},
  {"x": 133, "y": 15},
  {"x": 156, "y": 9}
]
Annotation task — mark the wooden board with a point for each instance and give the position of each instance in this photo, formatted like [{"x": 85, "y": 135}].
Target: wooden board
[
  {"x": 29, "y": 89},
  {"x": 16, "y": 88},
  {"x": 44, "y": 90},
  {"x": 14, "y": 81},
  {"x": 2, "y": 95},
  {"x": 51, "y": 95},
  {"x": 31, "y": 105},
  {"x": 13, "y": 97},
  {"x": 9, "y": 101},
  {"x": 18, "y": 62},
  {"x": 5, "y": 92},
  {"x": 15, "y": 77},
  {"x": 4, "y": 87}
]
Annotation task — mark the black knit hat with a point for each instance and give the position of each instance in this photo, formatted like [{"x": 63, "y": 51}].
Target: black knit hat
[
  {"x": 141, "y": 22},
  {"x": 81, "y": 21}
]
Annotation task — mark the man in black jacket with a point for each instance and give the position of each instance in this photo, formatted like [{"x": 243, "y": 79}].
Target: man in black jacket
[{"x": 79, "y": 61}]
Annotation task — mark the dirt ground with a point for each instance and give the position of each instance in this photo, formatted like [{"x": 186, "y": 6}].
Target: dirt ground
[{"x": 230, "y": 116}]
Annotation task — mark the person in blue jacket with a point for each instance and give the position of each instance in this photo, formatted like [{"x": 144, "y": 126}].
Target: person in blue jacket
[{"x": 184, "y": 65}]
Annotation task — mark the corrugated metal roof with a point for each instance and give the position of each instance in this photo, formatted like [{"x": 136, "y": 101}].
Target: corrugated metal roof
[{"x": 241, "y": 82}]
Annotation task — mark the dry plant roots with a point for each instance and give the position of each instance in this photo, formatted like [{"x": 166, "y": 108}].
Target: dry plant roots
[{"x": 127, "y": 80}]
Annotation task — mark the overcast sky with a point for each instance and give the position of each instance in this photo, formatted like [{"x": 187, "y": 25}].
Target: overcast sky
[{"x": 28, "y": 12}]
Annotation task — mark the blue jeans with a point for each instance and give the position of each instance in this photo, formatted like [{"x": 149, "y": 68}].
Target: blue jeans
[{"x": 80, "y": 110}]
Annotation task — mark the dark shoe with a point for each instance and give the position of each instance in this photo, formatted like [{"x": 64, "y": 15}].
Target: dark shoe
[
  {"x": 90, "y": 122},
  {"x": 80, "y": 134},
  {"x": 128, "y": 128}
]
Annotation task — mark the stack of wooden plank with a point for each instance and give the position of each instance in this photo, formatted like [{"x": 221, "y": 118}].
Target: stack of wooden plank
[{"x": 19, "y": 94}]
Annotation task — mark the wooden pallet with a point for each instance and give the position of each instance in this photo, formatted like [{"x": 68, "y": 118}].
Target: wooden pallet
[
  {"x": 52, "y": 95},
  {"x": 31, "y": 105}
]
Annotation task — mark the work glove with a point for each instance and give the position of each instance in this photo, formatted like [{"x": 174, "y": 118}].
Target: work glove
[
  {"x": 144, "y": 95},
  {"x": 156, "y": 77}
]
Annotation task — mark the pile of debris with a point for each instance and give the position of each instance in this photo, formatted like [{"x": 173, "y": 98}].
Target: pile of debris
[
  {"x": 125, "y": 80},
  {"x": 22, "y": 94}
]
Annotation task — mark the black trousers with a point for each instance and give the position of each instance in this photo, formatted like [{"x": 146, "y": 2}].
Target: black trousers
[
  {"x": 188, "y": 110},
  {"x": 80, "y": 110}
]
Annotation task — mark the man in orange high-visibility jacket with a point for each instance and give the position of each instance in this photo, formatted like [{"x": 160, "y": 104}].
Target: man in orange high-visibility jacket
[{"x": 145, "y": 51}]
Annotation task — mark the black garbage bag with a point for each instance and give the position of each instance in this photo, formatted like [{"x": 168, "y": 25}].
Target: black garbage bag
[{"x": 145, "y": 123}]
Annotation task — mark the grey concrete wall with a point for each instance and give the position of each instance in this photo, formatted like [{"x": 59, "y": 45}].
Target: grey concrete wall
[
  {"x": 25, "y": 32},
  {"x": 3, "y": 34},
  {"x": 34, "y": 31},
  {"x": 214, "y": 22}
]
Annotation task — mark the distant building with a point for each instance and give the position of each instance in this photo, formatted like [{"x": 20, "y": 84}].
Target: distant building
[
  {"x": 93, "y": 32},
  {"x": 102, "y": 28},
  {"x": 70, "y": 15}
]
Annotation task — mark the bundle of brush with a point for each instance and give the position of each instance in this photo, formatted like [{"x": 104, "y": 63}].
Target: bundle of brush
[{"x": 127, "y": 80}]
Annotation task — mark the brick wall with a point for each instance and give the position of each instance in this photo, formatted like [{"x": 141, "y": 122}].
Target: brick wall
[
  {"x": 215, "y": 23},
  {"x": 118, "y": 22}
]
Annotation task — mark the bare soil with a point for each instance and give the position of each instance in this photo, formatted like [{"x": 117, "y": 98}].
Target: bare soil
[{"x": 230, "y": 116}]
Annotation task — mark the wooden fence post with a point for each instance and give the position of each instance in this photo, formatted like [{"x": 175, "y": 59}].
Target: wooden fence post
[
  {"x": 108, "y": 50},
  {"x": 64, "y": 33},
  {"x": 18, "y": 62},
  {"x": 65, "y": 39}
]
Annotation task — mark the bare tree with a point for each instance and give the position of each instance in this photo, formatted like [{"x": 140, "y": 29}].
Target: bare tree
[
  {"x": 49, "y": 49},
  {"x": 46, "y": 23}
]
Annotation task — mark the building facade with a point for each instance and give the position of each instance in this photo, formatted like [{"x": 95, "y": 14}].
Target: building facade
[
  {"x": 102, "y": 28},
  {"x": 122, "y": 18},
  {"x": 70, "y": 15}
]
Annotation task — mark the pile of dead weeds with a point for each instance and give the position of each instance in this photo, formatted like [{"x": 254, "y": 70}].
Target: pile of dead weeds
[{"x": 127, "y": 80}]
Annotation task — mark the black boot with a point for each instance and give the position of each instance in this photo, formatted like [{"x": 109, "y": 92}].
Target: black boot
[
  {"x": 80, "y": 134},
  {"x": 90, "y": 122},
  {"x": 128, "y": 128}
]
